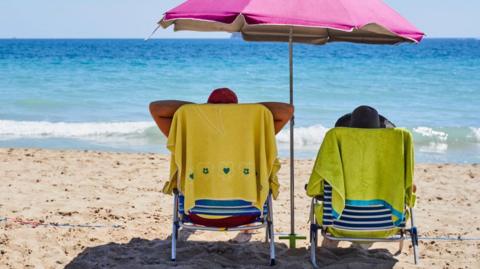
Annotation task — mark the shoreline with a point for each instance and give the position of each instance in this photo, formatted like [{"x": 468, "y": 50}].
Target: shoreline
[
  {"x": 114, "y": 188},
  {"x": 301, "y": 153}
]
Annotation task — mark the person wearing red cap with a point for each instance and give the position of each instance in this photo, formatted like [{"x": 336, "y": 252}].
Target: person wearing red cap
[{"x": 163, "y": 111}]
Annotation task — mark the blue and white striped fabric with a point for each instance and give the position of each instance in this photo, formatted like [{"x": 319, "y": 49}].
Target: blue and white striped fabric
[
  {"x": 371, "y": 217},
  {"x": 220, "y": 208}
]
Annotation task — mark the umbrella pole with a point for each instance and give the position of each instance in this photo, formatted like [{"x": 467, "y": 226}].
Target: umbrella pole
[
  {"x": 292, "y": 237},
  {"x": 292, "y": 146}
]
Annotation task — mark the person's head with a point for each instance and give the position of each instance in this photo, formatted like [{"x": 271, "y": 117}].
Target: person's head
[
  {"x": 222, "y": 96},
  {"x": 346, "y": 121},
  {"x": 365, "y": 117}
]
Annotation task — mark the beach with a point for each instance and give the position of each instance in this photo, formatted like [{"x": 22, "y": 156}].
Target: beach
[
  {"x": 88, "y": 99},
  {"x": 41, "y": 190},
  {"x": 69, "y": 105}
]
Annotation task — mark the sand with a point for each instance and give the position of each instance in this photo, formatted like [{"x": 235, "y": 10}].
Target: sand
[{"x": 85, "y": 187}]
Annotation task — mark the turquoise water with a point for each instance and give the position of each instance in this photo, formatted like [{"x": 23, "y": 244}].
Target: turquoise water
[{"x": 94, "y": 94}]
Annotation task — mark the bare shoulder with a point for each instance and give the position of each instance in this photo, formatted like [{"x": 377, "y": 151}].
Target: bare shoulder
[
  {"x": 276, "y": 106},
  {"x": 169, "y": 103}
]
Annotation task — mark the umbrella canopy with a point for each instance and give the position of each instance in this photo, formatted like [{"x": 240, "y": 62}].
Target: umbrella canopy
[
  {"x": 304, "y": 21},
  {"x": 311, "y": 21}
]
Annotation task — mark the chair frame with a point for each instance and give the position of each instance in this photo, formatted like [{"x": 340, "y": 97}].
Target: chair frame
[
  {"x": 265, "y": 222},
  {"x": 314, "y": 227}
]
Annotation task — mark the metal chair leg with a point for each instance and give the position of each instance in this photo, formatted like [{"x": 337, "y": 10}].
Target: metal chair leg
[
  {"x": 414, "y": 236},
  {"x": 267, "y": 234},
  {"x": 174, "y": 228},
  {"x": 313, "y": 244},
  {"x": 271, "y": 231},
  {"x": 400, "y": 248},
  {"x": 174, "y": 243},
  {"x": 313, "y": 235}
]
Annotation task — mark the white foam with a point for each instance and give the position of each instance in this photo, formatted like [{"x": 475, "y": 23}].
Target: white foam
[
  {"x": 429, "y": 132},
  {"x": 438, "y": 145},
  {"x": 433, "y": 147},
  {"x": 475, "y": 134},
  {"x": 305, "y": 137},
  {"x": 43, "y": 129}
]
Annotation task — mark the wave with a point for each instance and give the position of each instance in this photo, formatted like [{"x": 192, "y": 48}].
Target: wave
[
  {"x": 475, "y": 134},
  {"x": 305, "y": 137},
  {"x": 45, "y": 129},
  {"x": 429, "y": 132},
  {"x": 427, "y": 139},
  {"x": 439, "y": 140},
  {"x": 436, "y": 141}
]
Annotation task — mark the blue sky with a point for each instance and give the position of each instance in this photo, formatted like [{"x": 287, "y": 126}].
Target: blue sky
[{"x": 136, "y": 19}]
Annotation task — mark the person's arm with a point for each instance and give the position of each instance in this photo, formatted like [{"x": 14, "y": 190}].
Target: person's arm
[
  {"x": 282, "y": 113},
  {"x": 163, "y": 111}
]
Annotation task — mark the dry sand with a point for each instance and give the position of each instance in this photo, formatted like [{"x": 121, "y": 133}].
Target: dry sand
[{"x": 80, "y": 187}]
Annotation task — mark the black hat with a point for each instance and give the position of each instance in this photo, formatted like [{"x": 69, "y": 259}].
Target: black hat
[{"x": 365, "y": 117}]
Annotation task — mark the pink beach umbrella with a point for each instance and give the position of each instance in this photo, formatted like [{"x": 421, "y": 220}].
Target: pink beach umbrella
[{"x": 303, "y": 21}]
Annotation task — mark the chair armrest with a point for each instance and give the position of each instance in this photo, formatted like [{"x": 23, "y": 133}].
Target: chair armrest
[{"x": 318, "y": 197}]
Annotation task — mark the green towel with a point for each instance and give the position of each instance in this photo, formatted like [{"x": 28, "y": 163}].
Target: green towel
[{"x": 363, "y": 165}]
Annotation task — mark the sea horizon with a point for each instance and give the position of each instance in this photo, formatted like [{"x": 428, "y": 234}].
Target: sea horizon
[{"x": 198, "y": 38}]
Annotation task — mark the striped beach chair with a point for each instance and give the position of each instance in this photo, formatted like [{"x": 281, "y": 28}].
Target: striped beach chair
[
  {"x": 359, "y": 216},
  {"x": 223, "y": 169},
  {"x": 223, "y": 215}
]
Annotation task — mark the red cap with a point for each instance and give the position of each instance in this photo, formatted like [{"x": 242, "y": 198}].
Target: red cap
[{"x": 222, "y": 96}]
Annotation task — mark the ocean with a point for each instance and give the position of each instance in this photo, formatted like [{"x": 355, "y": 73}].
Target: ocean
[{"x": 94, "y": 94}]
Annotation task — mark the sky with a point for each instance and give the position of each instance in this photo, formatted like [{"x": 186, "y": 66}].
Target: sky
[{"x": 136, "y": 19}]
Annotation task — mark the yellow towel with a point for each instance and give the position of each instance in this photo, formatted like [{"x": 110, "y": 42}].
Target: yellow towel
[
  {"x": 223, "y": 152},
  {"x": 365, "y": 164}
]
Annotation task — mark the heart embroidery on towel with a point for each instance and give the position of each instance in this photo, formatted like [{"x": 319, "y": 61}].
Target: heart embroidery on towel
[{"x": 226, "y": 170}]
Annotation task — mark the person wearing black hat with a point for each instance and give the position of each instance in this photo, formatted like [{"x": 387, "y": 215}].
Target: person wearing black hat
[{"x": 361, "y": 117}]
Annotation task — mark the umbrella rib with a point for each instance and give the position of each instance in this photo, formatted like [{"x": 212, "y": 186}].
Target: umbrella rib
[
  {"x": 354, "y": 25},
  {"x": 282, "y": 34}
]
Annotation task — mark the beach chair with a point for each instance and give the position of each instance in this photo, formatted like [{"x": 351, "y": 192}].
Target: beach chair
[
  {"x": 240, "y": 210},
  {"x": 369, "y": 219},
  {"x": 212, "y": 210}
]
